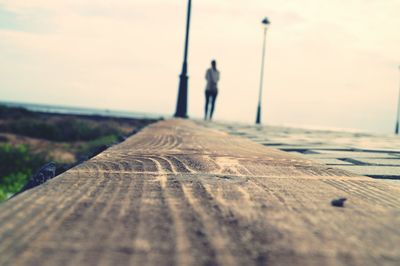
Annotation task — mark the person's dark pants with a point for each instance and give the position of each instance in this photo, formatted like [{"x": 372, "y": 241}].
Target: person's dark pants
[{"x": 211, "y": 96}]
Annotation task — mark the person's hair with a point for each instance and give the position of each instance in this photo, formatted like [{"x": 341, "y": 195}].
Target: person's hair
[{"x": 214, "y": 63}]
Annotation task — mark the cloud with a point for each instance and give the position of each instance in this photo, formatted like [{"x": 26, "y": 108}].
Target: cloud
[{"x": 126, "y": 54}]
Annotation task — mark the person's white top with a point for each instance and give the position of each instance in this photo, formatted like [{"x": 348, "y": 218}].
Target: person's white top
[{"x": 212, "y": 77}]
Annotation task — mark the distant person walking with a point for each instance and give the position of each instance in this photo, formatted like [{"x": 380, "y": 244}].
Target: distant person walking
[{"x": 212, "y": 77}]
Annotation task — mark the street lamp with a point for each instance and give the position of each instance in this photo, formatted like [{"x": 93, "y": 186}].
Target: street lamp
[
  {"x": 396, "y": 131},
  {"x": 181, "y": 105},
  {"x": 265, "y": 23}
]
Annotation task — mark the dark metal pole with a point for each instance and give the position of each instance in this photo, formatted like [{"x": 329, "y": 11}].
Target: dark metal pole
[
  {"x": 181, "y": 105},
  {"x": 258, "y": 118},
  {"x": 396, "y": 131}
]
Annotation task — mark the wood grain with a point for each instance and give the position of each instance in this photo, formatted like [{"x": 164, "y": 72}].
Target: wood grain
[{"x": 178, "y": 193}]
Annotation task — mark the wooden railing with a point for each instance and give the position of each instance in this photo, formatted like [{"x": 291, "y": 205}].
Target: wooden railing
[{"x": 178, "y": 193}]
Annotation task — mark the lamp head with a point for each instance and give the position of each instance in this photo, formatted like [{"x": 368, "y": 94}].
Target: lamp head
[{"x": 265, "y": 22}]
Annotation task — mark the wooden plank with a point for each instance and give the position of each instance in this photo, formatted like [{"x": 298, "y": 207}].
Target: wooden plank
[{"x": 178, "y": 193}]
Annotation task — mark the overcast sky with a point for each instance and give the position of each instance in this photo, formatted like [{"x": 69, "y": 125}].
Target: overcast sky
[{"x": 328, "y": 63}]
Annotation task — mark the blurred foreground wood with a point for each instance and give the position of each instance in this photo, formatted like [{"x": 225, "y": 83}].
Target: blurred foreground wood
[{"x": 177, "y": 193}]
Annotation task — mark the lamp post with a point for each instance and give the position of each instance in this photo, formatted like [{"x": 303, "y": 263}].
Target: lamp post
[
  {"x": 265, "y": 23},
  {"x": 396, "y": 131},
  {"x": 181, "y": 105}
]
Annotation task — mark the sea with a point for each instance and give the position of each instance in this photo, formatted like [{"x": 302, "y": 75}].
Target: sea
[{"x": 48, "y": 108}]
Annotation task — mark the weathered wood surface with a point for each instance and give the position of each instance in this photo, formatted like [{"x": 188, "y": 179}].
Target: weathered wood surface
[{"x": 177, "y": 193}]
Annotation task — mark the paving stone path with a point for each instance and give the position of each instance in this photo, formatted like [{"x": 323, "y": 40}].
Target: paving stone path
[
  {"x": 376, "y": 156},
  {"x": 178, "y": 193}
]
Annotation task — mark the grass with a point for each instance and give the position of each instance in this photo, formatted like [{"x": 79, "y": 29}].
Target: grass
[
  {"x": 79, "y": 136},
  {"x": 92, "y": 146},
  {"x": 68, "y": 129},
  {"x": 17, "y": 164}
]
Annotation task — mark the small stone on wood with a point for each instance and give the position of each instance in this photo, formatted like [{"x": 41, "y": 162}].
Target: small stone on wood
[{"x": 339, "y": 202}]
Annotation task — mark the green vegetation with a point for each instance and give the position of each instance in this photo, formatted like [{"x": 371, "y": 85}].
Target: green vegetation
[
  {"x": 67, "y": 129},
  {"x": 15, "y": 113},
  {"x": 60, "y": 128},
  {"x": 90, "y": 146},
  {"x": 20, "y": 158},
  {"x": 29, "y": 139}
]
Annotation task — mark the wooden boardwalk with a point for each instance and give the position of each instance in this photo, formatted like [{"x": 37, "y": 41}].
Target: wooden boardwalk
[{"x": 180, "y": 194}]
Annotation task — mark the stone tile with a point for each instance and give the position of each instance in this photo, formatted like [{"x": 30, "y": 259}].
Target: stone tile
[
  {"x": 327, "y": 147},
  {"x": 393, "y": 162},
  {"x": 372, "y": 170},
  {"x": 394, "y": 181},
  {"x": 353, "y": 154},
  {"x": 331, "y": 161},
  {"x": 328, "y": 161},
  {"x": 317, "y": 148}
]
